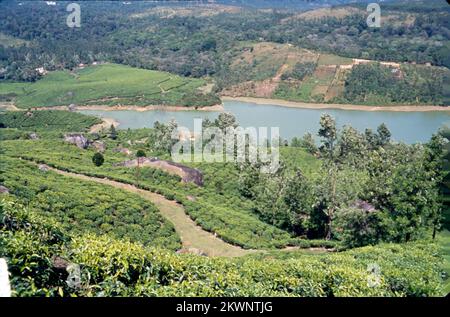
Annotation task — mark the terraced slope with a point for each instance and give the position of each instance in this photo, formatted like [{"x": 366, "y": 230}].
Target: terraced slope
[
  {"x": 192, "y": 236},
  {"x": 109, "y": 84}
]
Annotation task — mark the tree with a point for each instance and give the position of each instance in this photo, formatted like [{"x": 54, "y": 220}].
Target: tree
[
  {"x": 358, "y": 227},
  {"x": 308, "y": 143},
  {"x": 140, "y": 153},
  {"x": 371, "y": 139},
  {"x": 296, "y": 142},
  {"x": 98, "y": 159},
  {"x": 161, "y": 136},
  {"x": 299, "y": 201},
  {"x": 384, "y": 135},
  {"x": 401, "y": 186},
  {"x": 351, "y": 147},
  {"x": 434, "y": 163},
  {"x": 112, "y": 132},
  {"x": 328, "y": 133},
  {"x": 225, "y": 120}
]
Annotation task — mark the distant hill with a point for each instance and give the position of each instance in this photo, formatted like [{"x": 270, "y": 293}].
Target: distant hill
[{"x": 270, "y": 70}]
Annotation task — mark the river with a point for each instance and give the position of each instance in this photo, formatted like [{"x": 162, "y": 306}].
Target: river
[{"x": 408, "y": 127}]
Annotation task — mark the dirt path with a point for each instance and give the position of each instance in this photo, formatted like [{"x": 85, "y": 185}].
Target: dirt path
[
  {"x": 192, "y": 236},
  {"x": 8, "y": 106}
]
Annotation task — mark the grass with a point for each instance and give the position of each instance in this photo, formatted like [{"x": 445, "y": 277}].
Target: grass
[
  {"x": 330, "y": 59},
  {"x": 444, "y": 242},
  {"x": 81, "y": 206},
  {"x": 218, "y": 207},
  {"x": 192, "y": 236},
  {"x": 109, "y": 84},
  {"x": 51, "y": 120}
]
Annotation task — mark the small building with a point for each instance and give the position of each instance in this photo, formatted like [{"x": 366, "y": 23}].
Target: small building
[{"x": 41, "y": 71}]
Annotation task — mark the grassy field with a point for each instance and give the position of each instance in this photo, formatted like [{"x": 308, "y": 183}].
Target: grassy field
[
  {"x": 218, "y": 206},
  {"x": 81, "y": 206},
  {"x": 109, "y": 84},
  {"x": 444, "y": 242},
  {"x": 51, "y": 120}
]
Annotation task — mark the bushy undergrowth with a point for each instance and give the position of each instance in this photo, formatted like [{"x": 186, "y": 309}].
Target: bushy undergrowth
[
  {"x": 121, "y": 268},
  {"x": 82, "y": 206},
  {"x": 225, "y": 215},
  {"x": 50, "y": 120}
]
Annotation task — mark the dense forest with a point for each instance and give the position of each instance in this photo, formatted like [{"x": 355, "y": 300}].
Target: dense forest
[{"x": 197, "y": 46}]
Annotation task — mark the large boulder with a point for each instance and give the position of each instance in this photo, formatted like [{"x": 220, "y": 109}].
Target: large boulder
[
  {"x": 187, "y": 174},
  {"x": 43, "y": 168},
  {"x": 77, "y": 139},
  {"x": 33, "y": 136}
]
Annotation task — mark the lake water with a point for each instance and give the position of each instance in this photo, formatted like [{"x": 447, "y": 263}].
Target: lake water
[{"x": 409, "y": 127}]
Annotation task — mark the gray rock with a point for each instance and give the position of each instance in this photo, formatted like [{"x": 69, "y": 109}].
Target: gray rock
[
  {"x": 43, "y": 168},
  {"x": 77, "y": 139},
  {"x": 33, "y": 136}
]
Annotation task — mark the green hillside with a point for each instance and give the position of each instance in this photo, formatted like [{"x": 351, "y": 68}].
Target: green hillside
[{"x": 109, "y": 84}]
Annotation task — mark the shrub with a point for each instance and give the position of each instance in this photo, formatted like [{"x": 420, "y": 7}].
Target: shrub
[{"x": 98, "y": 159}]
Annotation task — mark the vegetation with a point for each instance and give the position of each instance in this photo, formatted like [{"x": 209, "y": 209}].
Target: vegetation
[
  {"x": 98, "y": 159},
  {"x": 120, "y": 268},
  {"x": 110, "y": 84},
  {"x": 378, "y": 84},
  {"x": 79, "y": 206},
  {"x": 228, "y": 46},
  {"x": 348, "y": 213},
  {"x": 47, "y": 120}
]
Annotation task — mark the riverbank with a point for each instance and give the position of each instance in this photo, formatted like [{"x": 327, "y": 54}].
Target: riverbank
[
  {"x": 106, "y": 124},
  {"x": 304, "y": 105},
  {"x": 215, "y": 108}
]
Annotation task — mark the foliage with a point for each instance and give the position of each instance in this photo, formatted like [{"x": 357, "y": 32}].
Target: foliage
[
  {"x": 374, "y": 83},
  {"x": 50, "y": 120},
  {"x": 120, "y": 268},
  {"x": 82, "y": 206},
  {"x": 111, "y": 84},
  {"x": 98, "y": 159}
]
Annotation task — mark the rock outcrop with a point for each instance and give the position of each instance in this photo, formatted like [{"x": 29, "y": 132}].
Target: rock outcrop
[
  {"x": 187, "y": 174},
  {"x": 43, "y": 168},
  {"x": 78, "y": 139},
  {"x": 33, "y": 136}
]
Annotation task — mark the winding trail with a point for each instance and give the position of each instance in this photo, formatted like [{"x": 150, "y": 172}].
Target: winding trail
[{"x": 192, "y": 236}]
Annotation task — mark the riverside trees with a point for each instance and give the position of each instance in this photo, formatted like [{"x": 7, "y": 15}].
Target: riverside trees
[{"x": 366, "y": 190}]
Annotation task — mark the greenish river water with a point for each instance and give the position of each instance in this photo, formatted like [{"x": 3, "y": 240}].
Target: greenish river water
[{"x": 408, "y": 127}]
